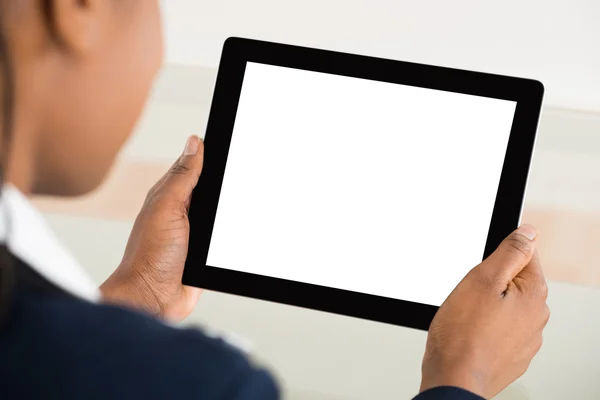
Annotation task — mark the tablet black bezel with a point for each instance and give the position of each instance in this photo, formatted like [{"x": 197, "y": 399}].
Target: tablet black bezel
[{"x": 236, "y": 53}]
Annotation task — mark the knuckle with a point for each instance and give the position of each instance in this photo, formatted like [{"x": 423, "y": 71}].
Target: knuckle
[
  {"x": 546, "y": 314},
  {"x": 485, "y": 277},
  {"x": 149, "y": 195},
  {"x": 488, "y": 279},
  {"x": 152, "y": 192},
  {"x": 150, "y": 198},
  {"x": 156, "y": 201},
  {"x": 179, "y": 169},
  {"x": 153, "y": 195},
  {"x": 544, "y": 290},
  {"x": 538, "y": 290},
  {"x": 519, "y": 245}
]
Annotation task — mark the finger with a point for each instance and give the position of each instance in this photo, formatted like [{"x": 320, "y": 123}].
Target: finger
[
  {"x": 181, "y": 179},
  {"x": 512, "y": 256},
  {"x": 158, "y": 185},
  {"x": 545, "y": 316},
  {"x": 531, "y": 280},
  {"x": 189, "y": 298},
  {"x": 533, "y": 271}
]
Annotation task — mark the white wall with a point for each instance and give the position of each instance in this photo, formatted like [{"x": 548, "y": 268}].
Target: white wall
[{"x": 555, "y": 41}]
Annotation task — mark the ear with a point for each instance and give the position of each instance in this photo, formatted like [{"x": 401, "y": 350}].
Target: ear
[{"x": 79, "y": 25}]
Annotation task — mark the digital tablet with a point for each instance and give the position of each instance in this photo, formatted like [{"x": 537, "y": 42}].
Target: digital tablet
[{"x": 356, "y": 185}]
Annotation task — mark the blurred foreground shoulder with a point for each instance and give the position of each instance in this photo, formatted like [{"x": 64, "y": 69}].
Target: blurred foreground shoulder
[
  {"x": 447, "y": 393},
  {"x": 70, "y": 349}
]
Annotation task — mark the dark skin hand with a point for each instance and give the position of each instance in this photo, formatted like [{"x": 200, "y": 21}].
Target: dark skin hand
[
  {"x": 489, "y": 329},
  {"x": 149, "y": 276},
  {"x": 482, "y": 339}
]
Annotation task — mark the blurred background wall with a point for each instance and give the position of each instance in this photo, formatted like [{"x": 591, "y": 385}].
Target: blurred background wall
[{"x": 327, "y": 357}]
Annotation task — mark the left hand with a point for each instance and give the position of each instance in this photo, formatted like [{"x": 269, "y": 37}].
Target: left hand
[
  {"x": 490, "y": 328},
  {"x": 149, "y": 276}
]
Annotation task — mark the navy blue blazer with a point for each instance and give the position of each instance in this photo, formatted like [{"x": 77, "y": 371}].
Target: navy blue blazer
[{"x": 55, "y": 346}]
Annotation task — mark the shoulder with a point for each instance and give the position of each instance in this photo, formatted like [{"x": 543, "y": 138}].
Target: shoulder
[
  {"x": 140, "y": 356},
  {"x": 447, "y": 393}
]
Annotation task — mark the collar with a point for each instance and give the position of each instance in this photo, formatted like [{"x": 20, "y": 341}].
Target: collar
[{"x": 28, "y": 237}]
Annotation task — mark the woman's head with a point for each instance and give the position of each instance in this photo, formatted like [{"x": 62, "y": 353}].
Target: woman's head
[{"x": 81, "y": 71}]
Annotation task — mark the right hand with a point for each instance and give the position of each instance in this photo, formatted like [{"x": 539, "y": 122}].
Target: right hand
[{"x": 489, "y": 329}]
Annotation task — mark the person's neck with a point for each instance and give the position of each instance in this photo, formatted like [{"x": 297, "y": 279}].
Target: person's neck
[{"x": 19, "y": 168}]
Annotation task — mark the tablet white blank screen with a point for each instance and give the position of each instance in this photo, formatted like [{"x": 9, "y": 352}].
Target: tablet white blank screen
[{"x": 360, "y": 185}]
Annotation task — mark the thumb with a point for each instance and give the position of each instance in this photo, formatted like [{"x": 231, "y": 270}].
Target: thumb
[
  {"x": 513, "y": 255},
  {"x": 182, "y": 177}
]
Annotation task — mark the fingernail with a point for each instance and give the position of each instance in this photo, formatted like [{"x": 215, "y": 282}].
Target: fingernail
[
  {"x": 528, "y": 231},
  {"x": 191, "y": 146}
]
